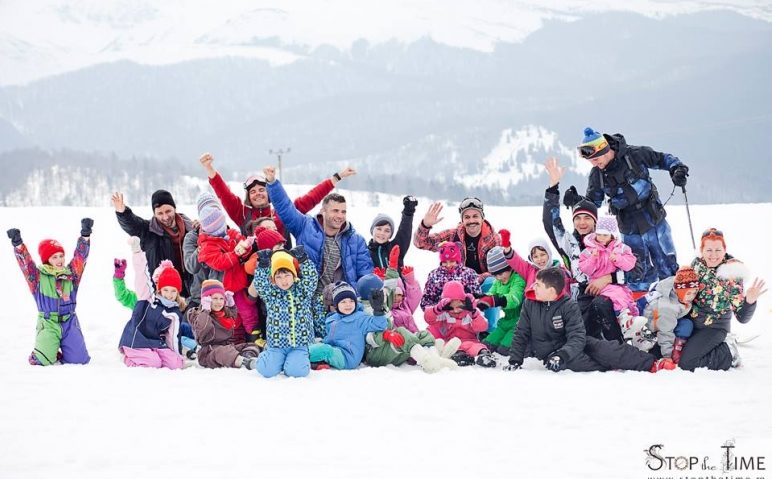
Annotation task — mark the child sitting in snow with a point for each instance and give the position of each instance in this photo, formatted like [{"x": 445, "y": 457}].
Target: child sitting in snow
[
  {"x": 606, "y": 254},
  {"x": 451, "y": 269},
  {"x": 150, "y": 336},
  {"x": 286, "y": 281},
  {"x": 343, "y": 346},
  {"x": 456, "y": 316},
  {"x": 404, "y": 292},
  {"x": 214, "y": 323},
  {"x": 55, "y": 288}
]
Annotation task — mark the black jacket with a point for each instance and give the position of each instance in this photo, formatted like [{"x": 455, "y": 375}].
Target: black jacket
[
  {"x": 549, "y": 327},
  {"x": 380, "y": 252}
]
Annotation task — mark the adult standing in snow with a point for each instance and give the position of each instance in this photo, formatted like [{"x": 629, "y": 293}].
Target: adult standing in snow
[
  {"x": 162, "y": 236},
  {"x": 256, "y": 203},
  {"x": 384, "y": 238},
  {"x": 721, "y": 295},
  {"x": 476, "y": 235},
  {"x": 597, "y": 311},
  {"x": 338, "y": 252},
  {"x": 621, "y": 173}
]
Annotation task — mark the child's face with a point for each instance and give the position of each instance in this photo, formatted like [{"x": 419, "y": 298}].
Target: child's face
[
  {"x": 503, "y": 276},
  {"x": 457, "y": 305},
  {"x": 603, "y": 239},
  {"x": 284, "y": 279},
  {"x": 540, "y": 258},
  {"x": 542, "y": 292},
  {"x": 398, "y": 297},
  {"x": 57, "y": 260},
  {"x": 689, "y": 295},
  {"x": 448, "y": 264},
  {"x": 346, "y": 306},
  {"x": 218, "y": 302},
  {"x": 381, "y": 234},
  {"x": 169, "y": 292}
]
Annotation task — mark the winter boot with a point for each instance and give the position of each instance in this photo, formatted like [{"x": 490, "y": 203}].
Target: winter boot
[
  {"x": 247, "y": 363},
  {"x": 678, "y": 347},
  {"x": 189, "y": 347},
  {"x": 462, "y": 358},
  {"x": 731, "y": 341},
  {"x": 663, "y": 364},
  {"x": 320, "y": 365},
  {"x": 486, "y": 359}
]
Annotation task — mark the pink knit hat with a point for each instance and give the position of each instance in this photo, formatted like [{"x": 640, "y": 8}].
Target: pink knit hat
[
  {"x": 450, "y": 251},
  {"x": 453, "y": 290}
]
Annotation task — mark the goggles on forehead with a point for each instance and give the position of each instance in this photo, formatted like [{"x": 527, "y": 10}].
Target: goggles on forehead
[
  {"x": 590, "y": 151},
  {"x": 712, "y": 232},
  {"x": 253, "y": 180},
  {"x": 471, "y": 202}
]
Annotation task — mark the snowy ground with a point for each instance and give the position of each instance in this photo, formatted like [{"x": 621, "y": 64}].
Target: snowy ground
[{"x": 106, "y": 420}]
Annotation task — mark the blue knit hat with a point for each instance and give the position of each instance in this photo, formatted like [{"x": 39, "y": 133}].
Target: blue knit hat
[
  {"x": 367, "y": 284},
  {"x": 213, "y": 221},
  {"x": 593, "y": 145},
  {"x": 341, "y": 291},
  {"x": 497, "y": 263}
]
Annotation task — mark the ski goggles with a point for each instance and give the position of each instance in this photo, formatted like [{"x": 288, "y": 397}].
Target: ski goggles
[
  {"x": 712, "y": 232},
  {"x": 591, "y": 150},
  {"x": 253, "y": 180},
  {"x": 471, "y": 202}
]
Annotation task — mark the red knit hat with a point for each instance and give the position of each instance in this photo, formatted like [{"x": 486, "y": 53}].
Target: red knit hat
[
  {"x": 267, "y": 239},
  {"x": 169, "y": 277},
  {"x": 685, "y": 279},
  {"x": 453, "y": 290},
  {"x": 48, "y": 248},
  {"x": 450, "y": 251}
]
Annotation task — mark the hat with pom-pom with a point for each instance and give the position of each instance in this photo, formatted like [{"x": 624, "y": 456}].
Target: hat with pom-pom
[
  {"x": 593, "y": 145},
  {"x": 167, "y": 276},
  {"x": 213, "y": 221},
  {"x": 210, "y": 287},
  {"x": 341, "y": 291}
]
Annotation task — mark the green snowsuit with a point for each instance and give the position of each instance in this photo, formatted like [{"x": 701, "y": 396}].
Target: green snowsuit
[{"x": 514, "y": 290}]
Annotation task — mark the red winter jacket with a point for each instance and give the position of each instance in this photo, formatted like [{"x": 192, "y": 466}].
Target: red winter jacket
[{"x": 217, "y": 253}]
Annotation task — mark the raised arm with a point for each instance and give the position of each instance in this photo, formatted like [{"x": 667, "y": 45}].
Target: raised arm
[
  {"x": 132, "y": 224},
  {"x": 143, "y": 281},
  {"x": 27, "y": 265},
  {"x": 425, "y": 240},
  {"x": 293, "y": 219},
  {"x": 82, "y": 249}
]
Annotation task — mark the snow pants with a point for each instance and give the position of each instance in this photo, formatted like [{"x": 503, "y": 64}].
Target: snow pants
[
  {"x": 293, "y": 361},
  {"x": 655, "y": 256},
  {"x": 600, "y": 355},
  {"x": 224, "y": 355},
  {"x": 323, "y": 352},
  {"x": 500, "y": 339},
  {"x": 600, "y": 321},
  {"x": 53, "y": 335},
  {"x": 706, "y": 349},
  {"x": 152, "y": 358}
]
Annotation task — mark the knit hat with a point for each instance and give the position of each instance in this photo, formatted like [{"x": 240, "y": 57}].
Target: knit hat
[
  {"x": 454, "y": 290},
  {"x": 380, "y": 220},
  {"x": 367, "y": 284},
  {"x": 169, "y": 277},
  {"x": 450, "y": 251},
  {"x": 267, "y": 239},
  {"x": 210, "y": 287},
  {"x": 586, "y": 207},
  {"x": 497, "y": 263},
  {"x": 48, "y": 248},
  {"x": 341, "y": 291},
  {"x": 686, "y": 278},
  {"x": 284, "y": 260},
  {"x": 160, "y": 198},
  {"x": 607, "y": 225},
  {"x": 212, "y": 221},
  {"x": 597, "y": 143},
  {"x": 207, "y": 199}
]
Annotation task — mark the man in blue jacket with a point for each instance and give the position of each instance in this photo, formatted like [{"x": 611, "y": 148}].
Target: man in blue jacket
[
  {"x": 621, "y": 173},
  {"x": 339, "y": 252}
]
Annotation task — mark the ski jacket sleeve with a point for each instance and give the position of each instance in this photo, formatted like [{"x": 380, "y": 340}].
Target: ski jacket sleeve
[
  {"x": 28, "y": 267},
  {"x": 232, "y": 204},
  {"x": 124, "y": 295}
]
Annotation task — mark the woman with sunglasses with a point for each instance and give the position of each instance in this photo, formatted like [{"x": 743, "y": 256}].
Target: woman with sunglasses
[
  {"x": 256, "y": 203},
  {"x": 721, "y": 295}
]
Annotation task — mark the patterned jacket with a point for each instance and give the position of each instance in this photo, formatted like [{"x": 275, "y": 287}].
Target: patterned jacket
[
  {"x": 721, "y": 294},
  {"x": 438, "y": 277},
  {"x": 423, "y": 239}
]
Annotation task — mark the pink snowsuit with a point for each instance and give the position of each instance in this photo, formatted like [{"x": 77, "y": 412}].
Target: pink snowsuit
[
  {"x": 595, "y": 261},
  {"x": 464, "y": 326},
  {"x": 402, "y": 314},
  {"x": 528, "y": 270}
]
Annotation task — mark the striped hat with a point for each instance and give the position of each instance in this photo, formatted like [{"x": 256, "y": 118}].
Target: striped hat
[
  {"x": 341, "y": 291},
  {"x": 210, "y": 287},
  {"x": 497, "y": 263},
  {"x": 213, "y": 221},
  {"x": 207, "y": 199}
]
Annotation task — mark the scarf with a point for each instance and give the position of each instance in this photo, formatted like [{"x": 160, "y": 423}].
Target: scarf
[{"x": 225, "y": 322}]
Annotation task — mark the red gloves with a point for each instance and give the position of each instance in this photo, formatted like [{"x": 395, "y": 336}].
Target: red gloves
[
  {"x": 379, "y": 272},
  {"x": 394, "y": 338},
  {"x": 505, "y": 239},
  {"x": 394, "y": 257},
  {"x": 407, "y": 270}
]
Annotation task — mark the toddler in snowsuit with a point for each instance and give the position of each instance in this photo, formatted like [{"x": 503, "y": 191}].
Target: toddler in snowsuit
[
  {"x": 286, "y": 281},
  {"x": 55, "y": 288},
  {"x": 506, "y": 293},
  {"x": 451, "y": 269},
  {"x": 343, "y": 346}
]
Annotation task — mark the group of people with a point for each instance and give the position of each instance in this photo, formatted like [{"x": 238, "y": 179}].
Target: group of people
[{"x": 613, "y": 297}]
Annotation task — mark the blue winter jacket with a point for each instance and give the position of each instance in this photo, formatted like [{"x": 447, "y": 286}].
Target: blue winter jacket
[
  {"x": 149, "y": 325},
  {"x": 348, "y": 333},
  {"x": 309, "y": 232}
]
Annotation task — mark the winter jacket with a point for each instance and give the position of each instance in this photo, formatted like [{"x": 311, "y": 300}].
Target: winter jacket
[
  {"x": 438, "y": 277},
  {"x": 663, "y": 312},
  {"x": 514, "y": 291},
  {"x": 241, "y": 213},
  {"x": 601, "y": 264},
  {"x": 197, "y": 270},
  {"x": 402, "y": 314},
  {"x": 423, "y": 239},
  {"x": 348, "y": 333},
  {"x": 549, "y": 327},
  {"x": 633, "y": 197},
  {"x": 380, "y": 252},
  {"x": 528, "y": 271},
  {"x": 446, "y": 324},
  {"x": 218, "y": 254},
  {"x": 308, "y": 231},
  {"x": 721, "y": 294},
  {"x": 290, "y": 313},
  {"x": 156, "y": 243},
  {"x": 219, "y": 347}
]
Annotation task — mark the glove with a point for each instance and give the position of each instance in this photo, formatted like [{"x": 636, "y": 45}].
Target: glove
[
  {"x": 407, "y": 271},
  {"x": 571, "y": 197},
  {"x": 481, "y": 305},
  {"x": 85, "y": 227},
  {"x": 487, "y": 301},
  {"x": 393, "y": 337},
  {"x": 15, "y": 236},
  {"x": 133, "y": 243},
  {"x": 249, "y": 241},
  {"x": 120, "y": 268},
  {"x": 394, "y": 257},
  {"x": 229, "y": 302},
  {"x": 468, "y": 303},
  {"x": 443, "y": 305},
  {"x": 513, "y": 366},
  {"x": 377, "y": 301},
  {"x": 206, "y": 303},
  {"x": 380, "y": 272},
  {"x": 555, "y": 362},
  {"x": 299, "y": 252},
  {"x": 409, "y": 203},
  {"x": 505, "y": 234},
  {"x": 264, "y": 258},
  {"x": 678, "y": 174}
]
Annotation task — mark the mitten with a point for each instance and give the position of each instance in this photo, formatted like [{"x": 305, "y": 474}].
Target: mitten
[
  {"x": 206, "y": 303},
  {"x": 264, "y": 258},
  {"x": 407, "y": 271},
  {"x": 468, "y": 303},
  {"x": 556, "y": 361},
  {"x": 120, "y": 268},
  {"x": 133, "y": 242},
  {"x": 505, "y": 235},
  {"x": 409, "y": 203},
  {"x": 443, "y": 305},
  {"x": 85, "y": 227},
  {"x": 15, "y": 236},
  {"x": 571, "y": 197},
  {"x": 380, "y": 272},
  {"x": 377, "y": 301},
  {"x": 678, "y": 174},
  {"x": 394, "y": 338},
  {"x": 229, "y": 302},
  {"x": 394, "y": 257},
  {"x": 299, "y": 252}
]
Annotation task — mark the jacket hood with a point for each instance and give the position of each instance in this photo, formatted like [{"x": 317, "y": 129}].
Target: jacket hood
[{"x": 543, "y": 244}]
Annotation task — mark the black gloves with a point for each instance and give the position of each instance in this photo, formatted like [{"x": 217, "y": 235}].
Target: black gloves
[
  {"x": 410, "y": 203},
  {"x": 571, "y": 197},
  {"x": 556, "y": 361},
  {"x": 377, "y": 301},
  {"x": 264, "y": 258},
  {"x": 468, "y": 304},
  {"x": 85, "y": 227},
  {"x": 678, "y": 174},
  {"x": 15, "y": 236},
  {"x": 299, "y": 252},
  {"x": 513, "y": 365}
]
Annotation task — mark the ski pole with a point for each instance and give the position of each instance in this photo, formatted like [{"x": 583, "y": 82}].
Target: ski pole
[{"x": 689, "y": 216}]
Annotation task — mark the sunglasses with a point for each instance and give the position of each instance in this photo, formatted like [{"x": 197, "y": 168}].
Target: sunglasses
[
  {"x": 712, "y": 232},
  {"x": 472, "y": 202},
  {"x": 255, "y": 180},
  {"x": 588, "y": 151}
]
